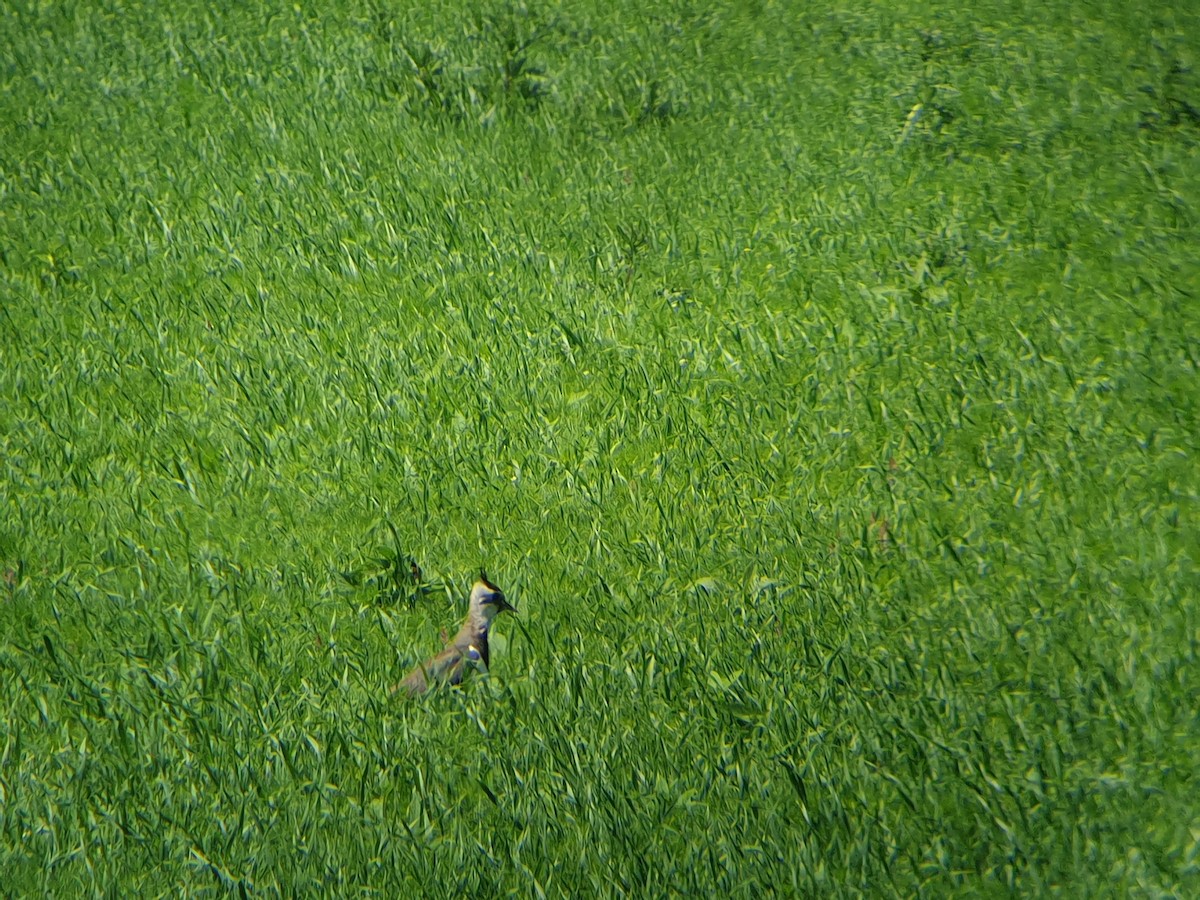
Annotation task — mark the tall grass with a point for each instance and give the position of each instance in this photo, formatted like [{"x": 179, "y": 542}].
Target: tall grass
[{"x": 819, "y": 380}]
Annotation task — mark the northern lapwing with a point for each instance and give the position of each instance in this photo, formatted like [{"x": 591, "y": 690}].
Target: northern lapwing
[{"x": 468, "y": 650}]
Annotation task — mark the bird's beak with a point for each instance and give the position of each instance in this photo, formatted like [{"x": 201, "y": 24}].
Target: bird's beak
[{"x": 505, "y": 606}]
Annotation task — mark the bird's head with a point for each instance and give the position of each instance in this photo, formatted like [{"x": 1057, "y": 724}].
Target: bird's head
[{"x": 488, "y": 600}]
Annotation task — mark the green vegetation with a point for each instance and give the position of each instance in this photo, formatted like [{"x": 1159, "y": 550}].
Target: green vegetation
[{"x": 820, "y": 380}]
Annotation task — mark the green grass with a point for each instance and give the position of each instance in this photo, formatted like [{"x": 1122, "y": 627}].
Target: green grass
[{"x": 819, "y": 380}]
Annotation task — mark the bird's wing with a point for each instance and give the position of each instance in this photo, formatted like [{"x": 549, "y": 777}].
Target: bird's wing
[
  {"x": 414, "y": 683},
  {"x": 445, "y": 668}
]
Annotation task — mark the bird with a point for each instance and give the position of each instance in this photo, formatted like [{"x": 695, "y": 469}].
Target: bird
[{"x": 469, "y": 647}]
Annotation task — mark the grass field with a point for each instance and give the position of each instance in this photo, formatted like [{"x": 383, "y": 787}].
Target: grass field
[{"x": 819, "y": 380}]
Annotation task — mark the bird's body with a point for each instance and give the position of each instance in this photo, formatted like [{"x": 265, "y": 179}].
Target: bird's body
[{"x": 469, "y": 649}]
